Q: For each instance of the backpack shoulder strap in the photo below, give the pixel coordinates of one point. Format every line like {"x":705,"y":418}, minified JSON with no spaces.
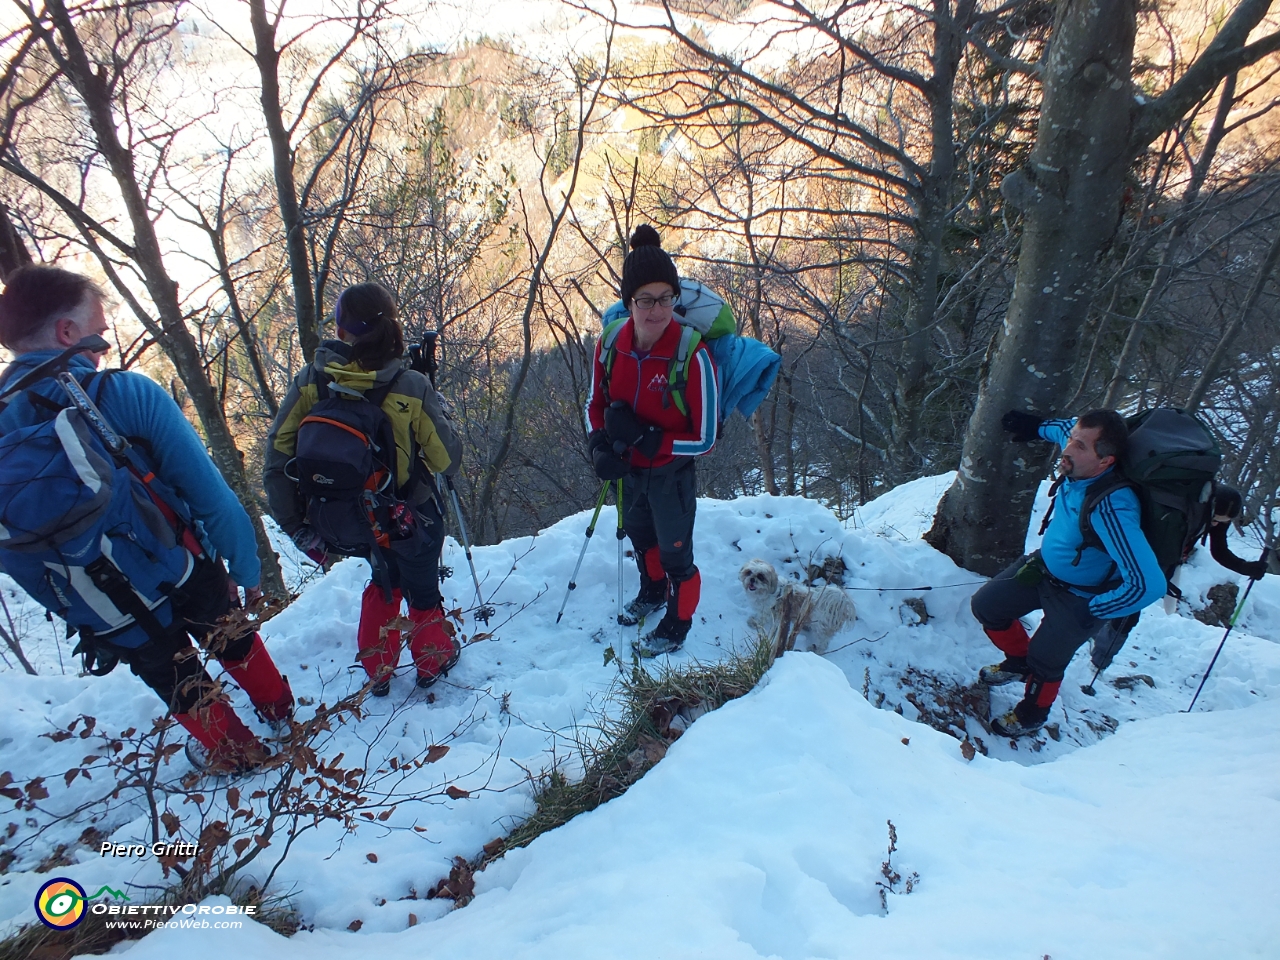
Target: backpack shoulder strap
{"x":609,"y":342}
{"x":378,"y":395}
{"x":1097,"y":493}
{"x":609,"y":351}
{"x":678,"y":371}
{"x":1054,"y":487}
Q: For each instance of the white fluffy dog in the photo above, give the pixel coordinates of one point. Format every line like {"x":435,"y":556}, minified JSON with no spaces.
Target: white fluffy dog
{"x":816,"y":612}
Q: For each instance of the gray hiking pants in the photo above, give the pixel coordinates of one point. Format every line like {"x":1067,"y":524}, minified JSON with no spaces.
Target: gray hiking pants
{"x":1067,"y":622}
{"x":658,"y":507}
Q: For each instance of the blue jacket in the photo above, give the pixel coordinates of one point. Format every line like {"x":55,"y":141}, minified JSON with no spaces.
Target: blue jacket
{"x":1117,"y":520}
{"x":137,"y":406}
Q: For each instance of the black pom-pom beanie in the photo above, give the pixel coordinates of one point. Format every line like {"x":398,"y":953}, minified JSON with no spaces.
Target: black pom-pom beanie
{"x":647,"y":263}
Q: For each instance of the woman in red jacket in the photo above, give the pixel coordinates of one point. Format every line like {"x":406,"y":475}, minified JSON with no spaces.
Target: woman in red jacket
{"x":649,"y":414}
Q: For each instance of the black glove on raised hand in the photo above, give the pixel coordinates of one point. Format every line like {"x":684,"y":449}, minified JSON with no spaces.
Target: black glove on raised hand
{"x":622,"y":423}
{"x":1254,"y":569}
{"x":608,"y":465}
{"x":625,"y":428}
{"x":1024,"y":427}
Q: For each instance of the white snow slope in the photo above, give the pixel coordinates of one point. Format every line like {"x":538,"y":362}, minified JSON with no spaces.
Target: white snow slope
{"x":763,"y":831}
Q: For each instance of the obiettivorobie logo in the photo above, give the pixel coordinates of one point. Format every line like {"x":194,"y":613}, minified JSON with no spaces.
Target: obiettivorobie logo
{"x":61,"y":903}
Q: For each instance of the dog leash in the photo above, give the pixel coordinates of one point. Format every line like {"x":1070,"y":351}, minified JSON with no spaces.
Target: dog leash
{"x":940,"y":586}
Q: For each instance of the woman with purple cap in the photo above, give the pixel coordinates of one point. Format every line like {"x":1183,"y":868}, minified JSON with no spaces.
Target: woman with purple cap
{"x":351,"y":407}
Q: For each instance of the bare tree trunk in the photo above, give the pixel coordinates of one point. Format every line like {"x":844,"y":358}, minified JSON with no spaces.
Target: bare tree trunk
{"x":1115,"y":389}
{"x":267,"y":58}
{"x":486,"y":506}
{"x":763,"y":437}
{"x":1210,"y":371}
{"x":1070,"y":192}
{"x":1090,"y":129}
{"x":13,"y":252}
{"x":949,"y":38}
{"x":179,"y":344}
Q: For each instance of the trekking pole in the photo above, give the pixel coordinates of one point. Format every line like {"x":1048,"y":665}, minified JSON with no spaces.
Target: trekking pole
{"x":1088,"y":687}
{"x":591,"y":528}
{"x":483,"y":610}
{"x":621,"y":536}
{"x":1230,"y":626}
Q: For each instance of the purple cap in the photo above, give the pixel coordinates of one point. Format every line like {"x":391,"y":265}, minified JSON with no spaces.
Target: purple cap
{"x":348,"y":321}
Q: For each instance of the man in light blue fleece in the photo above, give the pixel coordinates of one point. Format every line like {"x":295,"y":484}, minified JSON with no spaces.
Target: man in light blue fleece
{"x":45,"y":310}
{"x":1079,"y":582}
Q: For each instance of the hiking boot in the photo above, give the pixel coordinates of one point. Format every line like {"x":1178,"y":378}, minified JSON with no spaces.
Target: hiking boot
{"x":434,"y":648}
{"x":229,"y":758}
{"x":652,"y":595}
{"x":667,"y":637}
{"x":220,"y":743}
{"x":1006,"y":671}
{"x":1025,"y":718}
{"x":381,"y":688}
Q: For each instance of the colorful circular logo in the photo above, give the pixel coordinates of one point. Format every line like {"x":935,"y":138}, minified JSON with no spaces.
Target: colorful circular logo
{"x":60,"y":903}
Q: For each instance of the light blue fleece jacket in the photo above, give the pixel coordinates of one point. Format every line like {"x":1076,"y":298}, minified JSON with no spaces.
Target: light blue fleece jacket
{"x":1117,"y":520}
{"x":137,"y":406}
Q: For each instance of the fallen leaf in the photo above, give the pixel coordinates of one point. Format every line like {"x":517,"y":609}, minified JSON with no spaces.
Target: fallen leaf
{"x":355,"y":925}
{"x":413,"y":919}
{"x":968,"y":750}
{"x":906,"y":740}
{"x":436,"y":752}
{"x":457,"y":793}
{"x":371,"y":857}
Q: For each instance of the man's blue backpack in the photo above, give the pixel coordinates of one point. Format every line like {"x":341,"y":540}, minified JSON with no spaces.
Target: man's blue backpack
{"x":81,"y":527}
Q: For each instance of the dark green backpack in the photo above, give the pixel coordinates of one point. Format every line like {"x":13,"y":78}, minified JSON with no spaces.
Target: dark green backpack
{"x":1170,"y":464}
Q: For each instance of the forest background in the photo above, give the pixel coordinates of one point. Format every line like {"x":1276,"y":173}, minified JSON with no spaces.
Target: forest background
{"x":896,"y":197}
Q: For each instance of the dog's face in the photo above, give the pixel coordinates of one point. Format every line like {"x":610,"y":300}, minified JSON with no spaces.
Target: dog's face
{"x":759,"y":579}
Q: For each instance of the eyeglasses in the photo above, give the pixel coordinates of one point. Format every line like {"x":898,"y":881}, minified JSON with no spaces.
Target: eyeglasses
{"x":648,"y":303}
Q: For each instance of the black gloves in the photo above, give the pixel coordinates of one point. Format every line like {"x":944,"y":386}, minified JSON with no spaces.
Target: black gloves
{"x":1024,"y":427}
{"x":1253,"y":569}
{"x":622,"y":423}
{"x":624,"y":427}
{"x":1227,"y":502}
{"x":598,"y":439}
{"x":607,"y":464}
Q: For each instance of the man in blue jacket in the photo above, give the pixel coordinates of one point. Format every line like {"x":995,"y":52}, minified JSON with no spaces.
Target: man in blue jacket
{"x":43,"y":311}
{"x":1077,"y":584}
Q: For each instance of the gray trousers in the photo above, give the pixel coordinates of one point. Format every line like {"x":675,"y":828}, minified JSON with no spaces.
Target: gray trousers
{"x":1067,"y":622}
{"x":658,"y":507}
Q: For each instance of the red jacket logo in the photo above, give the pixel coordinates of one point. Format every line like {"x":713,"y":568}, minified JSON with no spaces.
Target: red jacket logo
{"x":659,"y":383}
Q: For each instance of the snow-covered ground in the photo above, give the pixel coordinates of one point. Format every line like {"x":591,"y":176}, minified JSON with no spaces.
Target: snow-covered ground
{"x":763,"y":831}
